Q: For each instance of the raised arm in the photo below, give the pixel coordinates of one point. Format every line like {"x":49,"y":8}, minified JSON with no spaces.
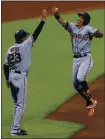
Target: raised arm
{"x":55,"y":11}
{"x":40,"y":26}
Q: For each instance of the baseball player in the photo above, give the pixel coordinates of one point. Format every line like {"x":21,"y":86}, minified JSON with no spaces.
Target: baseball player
{"x":81,"y":37}
{"x":16,"y":67}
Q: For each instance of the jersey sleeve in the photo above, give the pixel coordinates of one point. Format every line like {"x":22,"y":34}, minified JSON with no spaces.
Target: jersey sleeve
{"x":91,"y":29}
{"x":29,"y":42}
{"x":70,"y":27}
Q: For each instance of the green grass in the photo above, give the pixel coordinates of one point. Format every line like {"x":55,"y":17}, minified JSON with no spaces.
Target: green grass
{"x":50,"y":76}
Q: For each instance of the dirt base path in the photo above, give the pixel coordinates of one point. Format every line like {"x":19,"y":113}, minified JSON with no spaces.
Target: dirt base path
{"x":19,"y":10}
{"x":75,"y":110}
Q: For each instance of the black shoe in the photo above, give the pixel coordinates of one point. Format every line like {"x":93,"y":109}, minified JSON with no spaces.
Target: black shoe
{"x":19,"y":134}
{"x":21,"y":130}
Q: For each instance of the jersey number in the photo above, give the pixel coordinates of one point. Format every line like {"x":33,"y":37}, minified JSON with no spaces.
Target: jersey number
{"x":14,"y":58}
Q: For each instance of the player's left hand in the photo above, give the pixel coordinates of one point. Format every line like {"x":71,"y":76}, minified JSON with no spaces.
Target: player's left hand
{"x":98,"y":34}
{"x":7,"y":83}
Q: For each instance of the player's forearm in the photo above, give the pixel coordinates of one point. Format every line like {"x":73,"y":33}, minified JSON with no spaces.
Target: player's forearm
{"x":6,"y":71}
{"x":38,"y":30}
{"x":60,"y":20}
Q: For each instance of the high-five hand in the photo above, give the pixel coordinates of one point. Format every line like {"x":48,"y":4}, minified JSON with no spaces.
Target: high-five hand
{"x":53,"y":9}
{"x":44,"y":15}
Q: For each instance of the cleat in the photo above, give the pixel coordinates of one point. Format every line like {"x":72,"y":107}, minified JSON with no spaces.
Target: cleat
{"x":21,"y":130}
{"x":91,"y":108}
{"x":21,"y":133}
{"x":91,"y":112}
{"x":93,"y":105}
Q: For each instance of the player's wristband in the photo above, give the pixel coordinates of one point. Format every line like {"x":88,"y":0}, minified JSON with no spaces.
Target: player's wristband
{"x":57,"y":15}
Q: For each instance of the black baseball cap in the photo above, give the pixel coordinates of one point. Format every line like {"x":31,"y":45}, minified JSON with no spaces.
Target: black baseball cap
{"x":84,"y":15}
{"x":19,"y":35}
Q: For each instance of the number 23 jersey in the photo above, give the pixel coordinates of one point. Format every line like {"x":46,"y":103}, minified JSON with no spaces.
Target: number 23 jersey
{"x":18,"y":56}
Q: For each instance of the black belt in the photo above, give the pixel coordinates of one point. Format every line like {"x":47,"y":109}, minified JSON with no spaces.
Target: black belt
{"x":79,"y":55}
{"x":18,"y":72}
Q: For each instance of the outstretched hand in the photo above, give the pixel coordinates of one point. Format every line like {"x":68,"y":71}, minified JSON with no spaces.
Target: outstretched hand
{"x":44,"y":15}
{"x":98,"y":34}
{"x":53,"y":9}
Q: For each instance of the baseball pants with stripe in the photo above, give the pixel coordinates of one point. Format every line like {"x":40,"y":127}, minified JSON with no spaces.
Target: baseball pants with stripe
{"x":81,"y":67}
{"x":18,"y":85}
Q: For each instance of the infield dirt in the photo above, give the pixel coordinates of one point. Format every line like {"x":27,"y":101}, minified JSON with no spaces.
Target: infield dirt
{"x":74,"y":109}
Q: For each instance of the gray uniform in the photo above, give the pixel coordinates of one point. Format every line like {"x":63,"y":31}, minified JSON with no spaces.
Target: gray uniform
{"x":18,"y":59}
{"x":81,"y":45}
